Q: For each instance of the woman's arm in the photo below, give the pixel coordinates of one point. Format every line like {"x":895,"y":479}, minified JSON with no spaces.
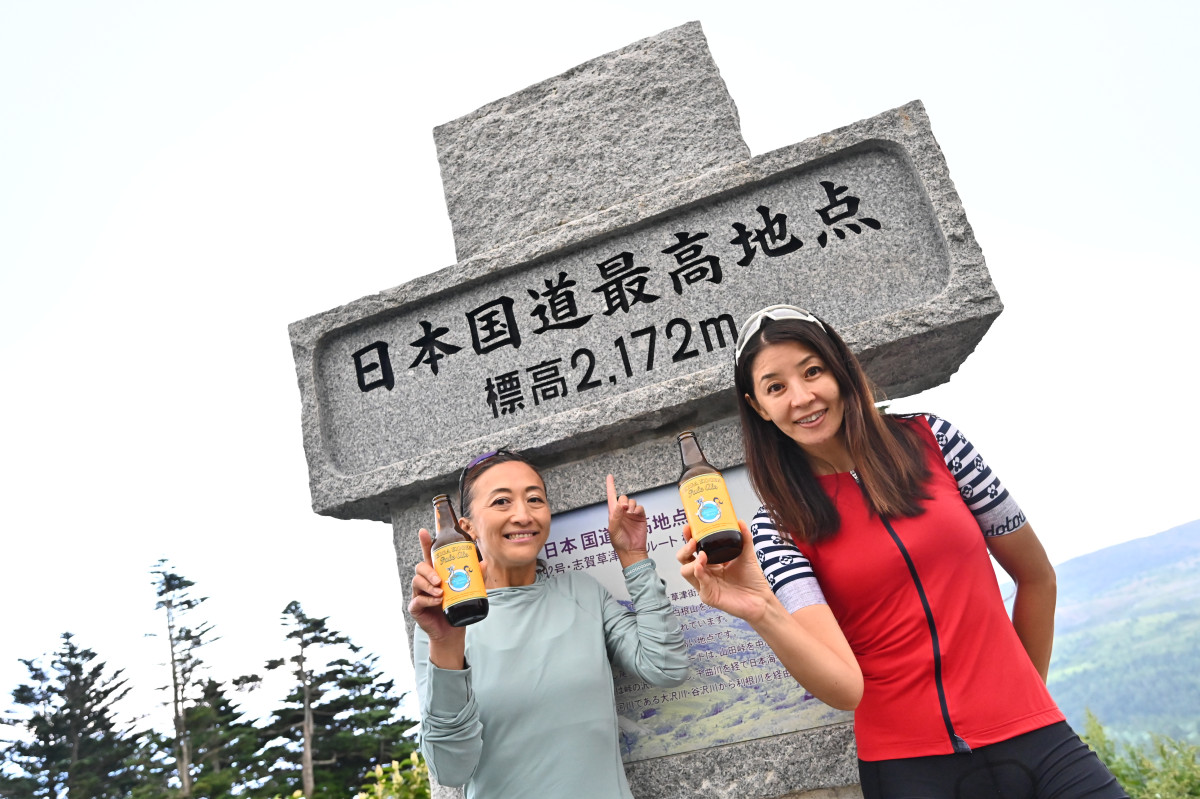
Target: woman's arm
{"x":1021,"y":555}
{"x":627,"y":526}
{"x":648,"y":641}
{"x":1019,"y":552}
{"x":808,"y":642}
{"x":451,"y":733}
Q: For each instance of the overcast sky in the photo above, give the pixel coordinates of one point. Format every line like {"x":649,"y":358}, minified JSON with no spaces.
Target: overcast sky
{"x":179,"y":182}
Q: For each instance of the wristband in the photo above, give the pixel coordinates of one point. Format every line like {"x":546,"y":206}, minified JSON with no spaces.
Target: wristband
{"x":637,"y":568}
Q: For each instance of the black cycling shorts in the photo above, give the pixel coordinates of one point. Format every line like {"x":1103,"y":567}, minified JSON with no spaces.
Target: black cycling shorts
{"x":1050,"y":763}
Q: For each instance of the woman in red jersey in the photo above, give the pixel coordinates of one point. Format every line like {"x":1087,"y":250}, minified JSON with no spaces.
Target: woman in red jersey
{"x":873,"y":583}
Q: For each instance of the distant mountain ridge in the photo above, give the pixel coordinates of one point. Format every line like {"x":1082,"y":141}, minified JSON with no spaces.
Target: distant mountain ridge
{"x":1127,"y":637}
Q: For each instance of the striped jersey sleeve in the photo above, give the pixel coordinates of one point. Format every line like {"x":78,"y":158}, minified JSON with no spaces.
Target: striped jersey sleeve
{"x":995,"y":510}
{"x":788,"y":572}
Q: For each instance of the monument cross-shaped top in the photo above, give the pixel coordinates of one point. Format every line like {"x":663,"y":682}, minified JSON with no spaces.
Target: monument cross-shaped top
{"x":614,"y":232}
{"x":626,"y":124}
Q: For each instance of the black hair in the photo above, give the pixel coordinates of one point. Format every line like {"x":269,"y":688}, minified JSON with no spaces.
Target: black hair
{"x":888,"y":455}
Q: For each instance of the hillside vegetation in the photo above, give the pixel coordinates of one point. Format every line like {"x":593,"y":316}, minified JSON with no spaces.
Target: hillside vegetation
{"x":1127,"y":637}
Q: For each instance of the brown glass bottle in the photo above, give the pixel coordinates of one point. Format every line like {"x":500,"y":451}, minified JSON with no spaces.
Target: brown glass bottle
{"x":707,"y":504}
{"x":456,"y":559}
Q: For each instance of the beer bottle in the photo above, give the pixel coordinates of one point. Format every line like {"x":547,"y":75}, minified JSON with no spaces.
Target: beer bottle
{"x":707,"y":504}
{"x":456,"y":559}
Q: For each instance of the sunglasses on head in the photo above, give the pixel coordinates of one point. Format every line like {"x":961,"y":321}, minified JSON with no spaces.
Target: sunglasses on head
{"x":754,"y":323}
{"x":462,"y":476}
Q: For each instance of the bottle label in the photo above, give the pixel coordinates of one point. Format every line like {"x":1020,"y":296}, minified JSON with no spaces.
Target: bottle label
{"x":707,"y":505}
{"x":458,"y":566}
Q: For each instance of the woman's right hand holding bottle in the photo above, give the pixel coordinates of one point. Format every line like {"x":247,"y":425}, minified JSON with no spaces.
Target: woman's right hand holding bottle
{"x":446,"y":642}
{"x":737,"y":587}
{"x":809,"y":643}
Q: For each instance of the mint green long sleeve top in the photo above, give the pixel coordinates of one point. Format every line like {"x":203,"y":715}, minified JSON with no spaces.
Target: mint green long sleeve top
{"x":534,"y":712}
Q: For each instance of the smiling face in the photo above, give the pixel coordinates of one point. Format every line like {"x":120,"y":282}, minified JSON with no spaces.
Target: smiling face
{"x":510,"y":518}
{"x":793,"y":388}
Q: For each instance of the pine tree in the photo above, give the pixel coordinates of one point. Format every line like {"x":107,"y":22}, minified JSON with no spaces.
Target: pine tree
{"x":224,"y":744}
{"x":183,"y":642}
{"x":151,"y":766}
{"x":71,"y":744}
{"x":358,"y":727}
{"x":292,"y":730}
{"x":354,"y":722}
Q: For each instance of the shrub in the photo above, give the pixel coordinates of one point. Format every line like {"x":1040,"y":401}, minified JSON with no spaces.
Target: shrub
{"x":410,"y":781}
{"x":1166,"y":769}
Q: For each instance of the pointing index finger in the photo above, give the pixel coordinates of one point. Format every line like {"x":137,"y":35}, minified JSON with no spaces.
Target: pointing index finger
{"x":426,"y":544}
{"x":611,"y":485}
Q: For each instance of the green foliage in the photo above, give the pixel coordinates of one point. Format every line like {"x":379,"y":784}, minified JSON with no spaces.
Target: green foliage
{"x":225,"y":745}
{"x":397,"y":781}
{"x":70,"y":742}
{"x":1138,"y":674}
{"x":1127,"y":634}
{"x":1166,"y":769}
{"x":365,"y":727}
{"x":407,"y":780}
{"x":339,"y":719}
{"x":152,"y":766}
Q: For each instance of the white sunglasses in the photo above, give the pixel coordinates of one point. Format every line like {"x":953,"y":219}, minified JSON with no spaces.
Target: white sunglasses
{"x":773,"y":312}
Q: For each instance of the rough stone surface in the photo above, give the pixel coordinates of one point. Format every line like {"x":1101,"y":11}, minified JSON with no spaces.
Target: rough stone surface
{"x":870,"y":274}
{"x":621,"y":125}
{"x":843,"y":792}
{"x":912,"y":298}
{"x":838,"y":792}
{"x":765,"y":768}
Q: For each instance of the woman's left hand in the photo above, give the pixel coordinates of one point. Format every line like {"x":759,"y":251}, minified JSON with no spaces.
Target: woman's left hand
{"x":737,"y":586}
{"x":626,"y":526}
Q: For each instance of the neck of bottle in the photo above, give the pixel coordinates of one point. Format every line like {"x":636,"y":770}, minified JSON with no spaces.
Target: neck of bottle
{"x":445,"y":522}
{"x":689,"y":451}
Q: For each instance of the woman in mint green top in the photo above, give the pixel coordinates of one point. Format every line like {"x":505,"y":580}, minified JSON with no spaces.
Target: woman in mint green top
{"x":521,"y":704}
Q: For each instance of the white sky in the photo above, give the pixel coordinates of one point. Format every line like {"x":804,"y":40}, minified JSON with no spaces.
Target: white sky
{"x":178,"y":182}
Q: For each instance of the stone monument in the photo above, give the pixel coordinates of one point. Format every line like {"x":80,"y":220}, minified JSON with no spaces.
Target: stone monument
{"x":613,"y":231}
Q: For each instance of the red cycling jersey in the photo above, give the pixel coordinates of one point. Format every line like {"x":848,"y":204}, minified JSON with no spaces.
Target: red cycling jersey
{"x":919,"y":603}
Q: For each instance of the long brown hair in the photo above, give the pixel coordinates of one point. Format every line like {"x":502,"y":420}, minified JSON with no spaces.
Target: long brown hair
{"x":888,"y":455}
